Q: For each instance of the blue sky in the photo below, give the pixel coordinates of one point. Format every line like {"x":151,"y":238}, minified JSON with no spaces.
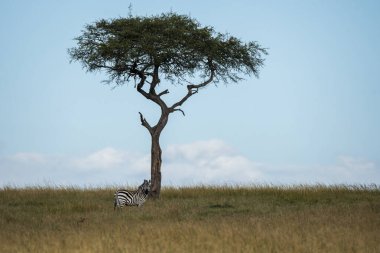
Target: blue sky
{"x":312,"y":116}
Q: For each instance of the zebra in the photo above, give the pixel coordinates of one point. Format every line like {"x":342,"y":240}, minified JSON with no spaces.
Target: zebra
{"x":132,"y":198}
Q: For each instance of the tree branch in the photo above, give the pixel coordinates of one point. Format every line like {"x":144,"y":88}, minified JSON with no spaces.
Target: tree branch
{"x":140,"y":87}
{"x":192,"y":89}
{"x":145,"y":123}
{"x":163,"y":93}
{"x":151,"y":95}
{"x":180,"y":110}
{"x":155,"y":80}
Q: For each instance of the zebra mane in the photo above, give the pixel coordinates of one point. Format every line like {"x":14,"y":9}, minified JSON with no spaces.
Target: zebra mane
{"x":145,"y":186}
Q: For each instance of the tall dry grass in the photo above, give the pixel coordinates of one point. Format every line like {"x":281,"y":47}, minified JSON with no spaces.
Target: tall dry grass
{"x":197,"y":219}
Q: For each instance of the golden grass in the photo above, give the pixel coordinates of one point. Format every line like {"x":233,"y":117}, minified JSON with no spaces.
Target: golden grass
{"x":198,"y":219}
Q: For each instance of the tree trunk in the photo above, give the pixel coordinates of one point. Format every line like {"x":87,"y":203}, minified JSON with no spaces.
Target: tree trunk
{"x":156,"y":162}
{"x":156,"y":153}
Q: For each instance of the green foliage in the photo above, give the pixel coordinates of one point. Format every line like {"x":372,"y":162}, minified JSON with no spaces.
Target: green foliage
{"x":177,"y":44}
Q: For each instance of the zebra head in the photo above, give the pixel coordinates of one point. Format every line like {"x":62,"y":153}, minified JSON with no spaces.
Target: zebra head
{"x":145,"y":187}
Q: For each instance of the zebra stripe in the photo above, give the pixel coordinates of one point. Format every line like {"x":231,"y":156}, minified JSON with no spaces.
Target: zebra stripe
{"x":132,"y":198}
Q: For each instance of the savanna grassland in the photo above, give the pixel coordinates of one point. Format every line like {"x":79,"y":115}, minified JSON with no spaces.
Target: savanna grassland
{"x":198,"y":219}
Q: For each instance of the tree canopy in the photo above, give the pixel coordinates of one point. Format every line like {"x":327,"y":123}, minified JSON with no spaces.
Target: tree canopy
{"x":177,"y":45}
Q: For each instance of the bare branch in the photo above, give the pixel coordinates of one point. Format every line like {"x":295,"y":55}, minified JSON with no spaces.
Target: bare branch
{"x":163,"y":93}
{"x":155,"y":80}
{"x":192,"y":89}
{"x":201,"y":85}
{"x":140,"y":87}
{"x":180,"y":110}
{"x":151,"y":95}
{"x":145,"y":123}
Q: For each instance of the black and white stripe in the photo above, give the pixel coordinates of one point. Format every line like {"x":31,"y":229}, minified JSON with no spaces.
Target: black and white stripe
{"x":132,"y":198}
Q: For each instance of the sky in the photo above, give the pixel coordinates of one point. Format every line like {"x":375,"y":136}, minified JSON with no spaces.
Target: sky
{"x":313,"y":115}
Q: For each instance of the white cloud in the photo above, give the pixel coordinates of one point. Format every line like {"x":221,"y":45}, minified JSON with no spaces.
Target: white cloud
{"x":108,"y":166}
{"x":346,"y":170}
{"x":198,"y":150}
{"x":353,"y":170}
{"x":356,"y":165}
{"x":207,"y":162}
{"x":107,"y":158}
{"x":28,"y":158}
{"x":200,"y":162}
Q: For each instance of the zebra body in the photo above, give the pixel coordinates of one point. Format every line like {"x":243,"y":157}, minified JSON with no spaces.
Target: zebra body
{"x":132,"y":198}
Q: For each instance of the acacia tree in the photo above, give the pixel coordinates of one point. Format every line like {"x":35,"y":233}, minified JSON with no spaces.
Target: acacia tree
{"x":173,"y":47}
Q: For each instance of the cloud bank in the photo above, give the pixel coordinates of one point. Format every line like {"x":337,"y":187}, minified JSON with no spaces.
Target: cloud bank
{"x":211,"y":162}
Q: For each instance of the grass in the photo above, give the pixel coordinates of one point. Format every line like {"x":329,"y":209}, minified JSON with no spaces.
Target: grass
{"x":198,"y":219}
